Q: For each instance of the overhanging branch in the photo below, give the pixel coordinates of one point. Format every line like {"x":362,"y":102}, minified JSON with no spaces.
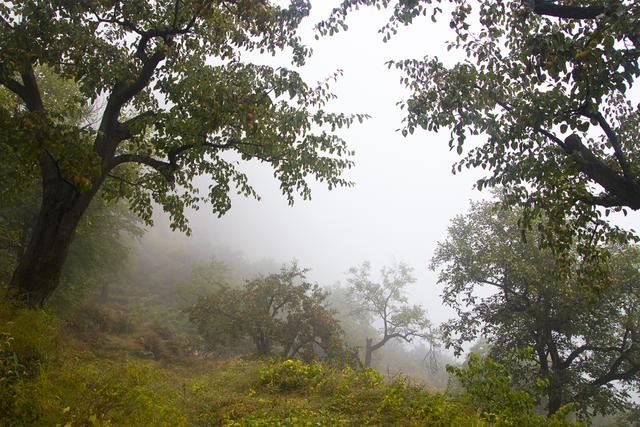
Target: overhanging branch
{"x":622,"y":190}
{"x":167,"y":170}
{"x":619,"y":188}
{"x":550,"y":8}
{"x":612,"y":136}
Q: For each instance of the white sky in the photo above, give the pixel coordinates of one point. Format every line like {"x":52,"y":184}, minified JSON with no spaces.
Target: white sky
{"x":404,"y":194}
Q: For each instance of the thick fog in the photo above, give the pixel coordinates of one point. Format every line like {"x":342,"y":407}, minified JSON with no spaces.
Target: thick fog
{"x":404,"y":195}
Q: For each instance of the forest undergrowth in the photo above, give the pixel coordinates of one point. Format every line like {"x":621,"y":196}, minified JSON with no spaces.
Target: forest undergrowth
{"x":99,"y":367}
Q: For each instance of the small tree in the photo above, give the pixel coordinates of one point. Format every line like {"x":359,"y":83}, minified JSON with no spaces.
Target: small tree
{"x":583,"y":326}
{"x":386,"y":302}
{"x":489,"y":390}
{"x":280,"y":310}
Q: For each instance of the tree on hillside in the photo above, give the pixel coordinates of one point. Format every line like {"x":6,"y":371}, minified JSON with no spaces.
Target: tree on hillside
{"x":387,"y":303}
{"x":178,"y":102}
{"x":279,"y":311}
{"x":585,"y":335}
{"x":547,"y":88}
{"x":103,"y":232}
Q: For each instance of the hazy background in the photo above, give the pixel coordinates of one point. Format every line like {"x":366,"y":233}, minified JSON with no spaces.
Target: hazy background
{"x":404,"y":194}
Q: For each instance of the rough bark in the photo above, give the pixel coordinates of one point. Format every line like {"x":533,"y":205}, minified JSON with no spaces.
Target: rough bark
{"x":367,"y":353}
{"x":554,"y":395}
{"x":38,"y":271}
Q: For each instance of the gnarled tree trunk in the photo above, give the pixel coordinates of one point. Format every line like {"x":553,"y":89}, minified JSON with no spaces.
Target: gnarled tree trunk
{"x":38,"y":271}
{"x":367,"y":353}
{"x":555,"y":399}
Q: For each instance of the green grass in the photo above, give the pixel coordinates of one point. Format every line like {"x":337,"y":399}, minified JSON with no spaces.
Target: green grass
{"x":49,"y":377}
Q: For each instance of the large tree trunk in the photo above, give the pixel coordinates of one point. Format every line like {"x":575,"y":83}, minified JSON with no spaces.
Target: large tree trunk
{"x":367,"y":353}
{"x":38,"y":271}
{"x":554,"y":394}
{"x":263,"y":345}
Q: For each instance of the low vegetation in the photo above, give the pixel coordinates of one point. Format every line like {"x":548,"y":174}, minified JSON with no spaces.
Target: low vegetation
{"x":51,"y":376}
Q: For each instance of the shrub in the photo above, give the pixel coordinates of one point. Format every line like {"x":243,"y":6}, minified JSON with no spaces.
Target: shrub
{"x":354,"y":392}
{"x":290,"y":375}
{"x":90,"y":320}
{"x":32,"y":334}
{"x":489,"y":390}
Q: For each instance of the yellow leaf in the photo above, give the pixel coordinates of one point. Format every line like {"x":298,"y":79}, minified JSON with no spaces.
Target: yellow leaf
{"x":65,"y":410}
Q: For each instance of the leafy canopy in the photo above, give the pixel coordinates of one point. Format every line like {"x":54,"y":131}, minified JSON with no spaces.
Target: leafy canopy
{"x":582,"y":327}
{"x":174,"y":95}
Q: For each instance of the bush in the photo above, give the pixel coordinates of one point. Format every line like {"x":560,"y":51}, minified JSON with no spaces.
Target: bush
{"x":290,"y":375}
{"x":89,"y":321}
{"x":489,"y":390}
{"x":33,"y":335}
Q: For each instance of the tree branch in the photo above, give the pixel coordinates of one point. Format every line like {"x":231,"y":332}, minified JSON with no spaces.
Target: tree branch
{"x":125,"y":181}
{"x":176,"y":152}
{"x":615,"y":143}
{"x":621,"y":189}
{"x":120,"y":95}
{"x":550,"y":8}
{"x":167,"y":170}
{"x":124,"y":129}
{"x":625,"y":191}
{"x":14,"y":86}
{"x":28,"y":90}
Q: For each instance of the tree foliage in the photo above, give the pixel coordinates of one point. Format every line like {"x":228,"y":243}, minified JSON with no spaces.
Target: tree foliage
{"x":488,"y":387}
{"x":280,"y":311}
{"x":178,"y":101}
{"x":386,"y":302}
{"x":543,"y":100}
{"x":583,"y":328}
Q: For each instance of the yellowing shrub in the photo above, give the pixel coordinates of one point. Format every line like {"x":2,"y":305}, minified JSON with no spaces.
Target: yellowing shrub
{"x":290,"y":375}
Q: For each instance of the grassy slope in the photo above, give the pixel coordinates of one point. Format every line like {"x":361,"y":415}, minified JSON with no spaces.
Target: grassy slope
{"x":49,"y":376}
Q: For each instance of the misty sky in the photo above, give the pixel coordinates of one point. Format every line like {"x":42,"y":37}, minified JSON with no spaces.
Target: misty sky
{"x":404,"y":194}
